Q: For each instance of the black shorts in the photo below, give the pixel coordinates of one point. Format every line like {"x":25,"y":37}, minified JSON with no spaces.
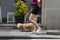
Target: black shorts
{"x":34,"y":9}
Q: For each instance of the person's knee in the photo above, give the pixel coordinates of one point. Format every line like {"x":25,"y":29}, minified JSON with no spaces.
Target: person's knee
{"x":29,"y":19}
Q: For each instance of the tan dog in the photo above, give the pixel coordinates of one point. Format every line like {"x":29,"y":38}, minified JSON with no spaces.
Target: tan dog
{"x":28,"y":26}
{"x":25,"y":26}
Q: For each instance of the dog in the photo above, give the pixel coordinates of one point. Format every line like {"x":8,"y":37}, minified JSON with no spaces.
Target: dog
{"x":26,"y":26}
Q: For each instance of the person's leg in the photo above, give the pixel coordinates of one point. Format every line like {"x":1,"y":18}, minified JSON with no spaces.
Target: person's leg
{"x":33,"y":19}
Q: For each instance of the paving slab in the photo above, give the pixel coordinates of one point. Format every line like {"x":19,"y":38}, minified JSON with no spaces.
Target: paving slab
{"x":16,"y":34}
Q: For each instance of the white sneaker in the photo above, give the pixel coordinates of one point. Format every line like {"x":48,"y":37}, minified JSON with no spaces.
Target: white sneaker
{"x":39,"y":29}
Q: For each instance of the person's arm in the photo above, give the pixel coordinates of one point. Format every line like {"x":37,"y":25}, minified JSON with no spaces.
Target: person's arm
{"x":39,"y":3}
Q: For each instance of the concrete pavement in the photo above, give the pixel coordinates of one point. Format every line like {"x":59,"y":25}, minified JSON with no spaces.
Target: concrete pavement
{"x":9,"y":33}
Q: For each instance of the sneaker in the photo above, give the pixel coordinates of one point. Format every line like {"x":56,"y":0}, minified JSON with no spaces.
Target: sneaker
{"x":39,"y":29}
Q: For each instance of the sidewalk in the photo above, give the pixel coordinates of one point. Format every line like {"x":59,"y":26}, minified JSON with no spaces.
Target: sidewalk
{"x":9,"y":33}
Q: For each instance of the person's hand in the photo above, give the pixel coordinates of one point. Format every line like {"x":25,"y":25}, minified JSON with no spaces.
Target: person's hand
{"x":30,"y":10}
